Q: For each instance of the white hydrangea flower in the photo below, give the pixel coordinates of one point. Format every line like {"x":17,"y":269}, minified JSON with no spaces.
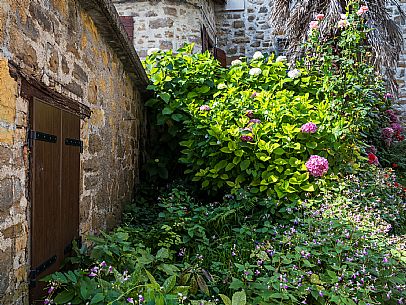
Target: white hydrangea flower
{"x":258,"y":55}
{"x":152,"y":51}
{"x":221,"y":86}
{"x":295,"y":73}
{"x":255,"y":71}
{"x":236,"y":62}
{"x":281,"y":59}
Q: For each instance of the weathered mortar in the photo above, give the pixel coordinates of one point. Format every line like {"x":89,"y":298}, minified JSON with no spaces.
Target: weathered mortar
{"x":168,"y":24}
{"x":63,"y":45}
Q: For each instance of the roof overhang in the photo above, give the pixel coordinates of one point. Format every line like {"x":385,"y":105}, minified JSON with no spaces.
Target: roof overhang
{"x":107,"y":21}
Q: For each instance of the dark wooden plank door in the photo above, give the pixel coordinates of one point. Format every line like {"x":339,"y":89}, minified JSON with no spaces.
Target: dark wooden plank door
{"x":70,"y":163}
{"x":55,"y":170}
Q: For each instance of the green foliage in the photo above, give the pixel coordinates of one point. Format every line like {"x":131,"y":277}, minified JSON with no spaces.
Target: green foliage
{"x":241,"y":127}
{"x":279,"y":236}
{"x":346,"y":243}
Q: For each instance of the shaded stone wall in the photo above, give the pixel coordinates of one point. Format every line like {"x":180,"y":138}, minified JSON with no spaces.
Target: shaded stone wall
{"x":400,"y":103}
{"x":168,"y":24}
{"x":58,"y":43}
{"x":243,"y":32}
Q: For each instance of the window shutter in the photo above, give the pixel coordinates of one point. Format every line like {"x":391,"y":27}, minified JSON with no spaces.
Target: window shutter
{"x":221,"y":56}
{"x":128,"y":23}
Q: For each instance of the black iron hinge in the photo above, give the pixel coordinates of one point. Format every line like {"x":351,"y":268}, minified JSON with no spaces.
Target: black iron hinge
{"x":41,"y":268}
{"x":74,"y":142}
{"x":41,"y":136}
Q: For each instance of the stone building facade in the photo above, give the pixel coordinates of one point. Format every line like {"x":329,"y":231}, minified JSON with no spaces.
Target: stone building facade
{"x":75,"y":51}
{"x":239,"y":27}
{"x":168,"y":24}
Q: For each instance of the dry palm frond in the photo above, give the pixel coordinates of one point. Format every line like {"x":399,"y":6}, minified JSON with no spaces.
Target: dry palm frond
{"x":293,"y":17}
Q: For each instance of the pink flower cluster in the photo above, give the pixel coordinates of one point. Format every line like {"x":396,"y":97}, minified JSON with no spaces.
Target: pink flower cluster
{"x":255,"y":121}
{"x":247,"y":138}
{"x":317,"y":166}
{"x":371,"y":150}
{"x":387,"y":133}
{"x":394,"y":131}
{"x":362,"y":10}
{"x":309,"y":128}
{"x":249,"y":114}
{"x":343,"y":21}
{"x":205,"y":108}
{"x":315,"y":23}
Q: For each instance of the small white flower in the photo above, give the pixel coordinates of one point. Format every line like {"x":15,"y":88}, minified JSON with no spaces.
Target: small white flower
{"x":295,"y":73}
{"x":221,"y":86}
{"x":343,"y":16}
{"x":236,"y":62}
{"x":258,"y":55}
{"x":152,"y":51}
{"x":281,"y":59}
{"x":255,"y":71}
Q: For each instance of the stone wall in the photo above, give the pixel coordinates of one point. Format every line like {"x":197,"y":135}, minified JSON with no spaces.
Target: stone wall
{"x":243,"y":32}
{"x":60,"y":44}
{"x":168,"y":24}
{"x":400,"y":103}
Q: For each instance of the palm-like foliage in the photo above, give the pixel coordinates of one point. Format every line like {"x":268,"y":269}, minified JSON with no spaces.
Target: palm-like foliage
{"x":292,"y":17}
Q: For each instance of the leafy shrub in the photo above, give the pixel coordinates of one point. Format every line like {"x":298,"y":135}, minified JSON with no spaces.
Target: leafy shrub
{"x":247,"y":127}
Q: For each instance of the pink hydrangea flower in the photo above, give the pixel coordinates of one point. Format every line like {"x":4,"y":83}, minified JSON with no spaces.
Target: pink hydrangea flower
{"x":246,"y":138}
{"x":309,"y":128}
{"x":371,"y":150}
{"x":397,"y":128}
{"x":387,"y":133}
{"x":314,"y":25}
{"x":343,"y":23}
{"x":319,"y":17}
{"x":255,"y":121}
{"x":317,"y":166}
{"x":205,"y":108}
{"x":249,"y":114}
{"x":393,"y":118}
{"x":362,"y":10}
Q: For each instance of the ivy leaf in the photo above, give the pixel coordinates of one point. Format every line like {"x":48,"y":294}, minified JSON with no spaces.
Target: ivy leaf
{"x":97,"y":298}
{"x":165,"y":96}
{"x":64,"y":297}
{"x":244,"y":164}
{"x":226,"y":299}
{"x":167,"y":110}
{"x":239,"y":298}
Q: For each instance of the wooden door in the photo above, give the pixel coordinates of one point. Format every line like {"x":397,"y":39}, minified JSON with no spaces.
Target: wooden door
{"x":55,"y":161}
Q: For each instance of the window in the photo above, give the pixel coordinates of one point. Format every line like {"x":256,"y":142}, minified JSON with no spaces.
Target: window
{"x":235,"y":5}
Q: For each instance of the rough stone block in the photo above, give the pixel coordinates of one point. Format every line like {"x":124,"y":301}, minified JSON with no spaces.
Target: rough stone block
{"x":95,"y":143}
{"x":6,"y":194}
{"x":6,"y":136}
{"x":8,"y":93}
{"x":238,"y":24}
{"x":171,"y":11}
{"x":161,"y":23}
{"x":5,"y":266}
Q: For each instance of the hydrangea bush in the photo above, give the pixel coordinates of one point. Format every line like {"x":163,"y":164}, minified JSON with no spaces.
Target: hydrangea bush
{"x":268,"y":126}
